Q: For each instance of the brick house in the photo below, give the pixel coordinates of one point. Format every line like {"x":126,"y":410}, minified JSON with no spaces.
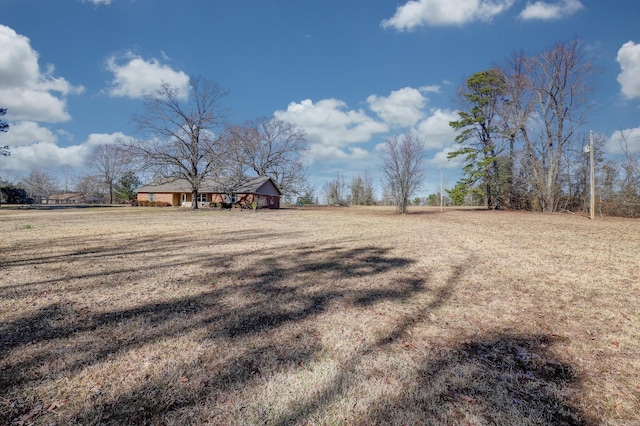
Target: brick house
{"x":71,"y":198}
{"x":261,"y":190}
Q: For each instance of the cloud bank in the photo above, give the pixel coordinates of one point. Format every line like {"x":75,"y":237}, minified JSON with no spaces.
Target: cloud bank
{"x":439,"y":13}
{"x":28,"y":92}
{"x":629,"y":60}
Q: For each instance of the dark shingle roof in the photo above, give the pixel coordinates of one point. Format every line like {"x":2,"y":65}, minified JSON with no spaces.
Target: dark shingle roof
{"x":248,"y":185}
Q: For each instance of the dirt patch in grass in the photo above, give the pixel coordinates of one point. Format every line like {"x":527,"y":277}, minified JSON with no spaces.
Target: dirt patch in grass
{"x":318,"y":316}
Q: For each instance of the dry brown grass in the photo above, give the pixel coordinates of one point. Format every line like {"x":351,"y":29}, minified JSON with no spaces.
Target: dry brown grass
{"x":326,"y":316}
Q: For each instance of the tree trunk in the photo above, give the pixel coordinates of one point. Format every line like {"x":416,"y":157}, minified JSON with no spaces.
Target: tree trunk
{"x":194,"y":199}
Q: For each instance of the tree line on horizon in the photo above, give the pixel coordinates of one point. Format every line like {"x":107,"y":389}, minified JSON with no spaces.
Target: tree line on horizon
{"x":519,"y":133}
{"x":521,"y":137}
{"x":179,"y":139}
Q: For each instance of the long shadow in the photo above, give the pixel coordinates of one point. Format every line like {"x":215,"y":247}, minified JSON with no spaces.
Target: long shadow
{"x":337,"y":386}
{"x":147,"y":404}
{"x":93,"y":248}
{"x":67,"y":340}
{"x":162,"y":249}
{"x":492,"y":379}
{"x":501,"y":379}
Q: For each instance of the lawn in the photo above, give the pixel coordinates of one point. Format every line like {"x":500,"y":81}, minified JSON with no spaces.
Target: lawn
{"x":325,"y":316}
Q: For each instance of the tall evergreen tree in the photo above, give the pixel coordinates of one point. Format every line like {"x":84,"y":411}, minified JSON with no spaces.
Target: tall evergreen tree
{"x":480,"y":132}
{"x":4,"y":126}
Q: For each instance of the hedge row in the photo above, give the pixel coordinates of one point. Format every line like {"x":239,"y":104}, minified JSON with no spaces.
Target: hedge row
{"x":145,"y":203}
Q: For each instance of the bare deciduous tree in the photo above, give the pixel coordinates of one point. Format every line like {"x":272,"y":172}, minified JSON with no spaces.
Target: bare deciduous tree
{"x":110,"y":163}
{"x":39,"y":184}
{"x":92,"y":189}
{"x":334,"y":191}
{"x":630,"y":184}
{"x":184,"y":137}
{"x":403,"y":168}
{"x":270,"y":147}
{"x":516,"y":112}
{"x":560,"y":84}
{"x":361,"y":190}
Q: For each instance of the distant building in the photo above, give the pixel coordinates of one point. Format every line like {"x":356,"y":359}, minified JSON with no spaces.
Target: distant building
{"x":261,"y":190}
{"x":68,"y":198}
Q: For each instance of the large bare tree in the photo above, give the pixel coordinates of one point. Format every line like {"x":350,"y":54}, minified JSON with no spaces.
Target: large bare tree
{"x":403,"y":168}
{"x":560,"y":82}
{"x":183,"y":138}
{"x":110,"y":163}
{"x":271,"y":147}
{"x":630,"y":184}
{"x":516,"y":112}
{"x":39,"y":184}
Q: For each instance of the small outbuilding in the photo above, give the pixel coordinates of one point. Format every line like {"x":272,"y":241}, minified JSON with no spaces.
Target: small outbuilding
{"x":244,"y":192}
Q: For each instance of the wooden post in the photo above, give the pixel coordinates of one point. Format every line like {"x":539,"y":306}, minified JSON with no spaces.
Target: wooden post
{"x":441,"y":194}
{"x":592,"y":178}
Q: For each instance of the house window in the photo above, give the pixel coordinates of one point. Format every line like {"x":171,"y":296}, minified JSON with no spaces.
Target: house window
{"x":202,"y":199}
{"x":230,"y":198}
{"x":152,"y":196}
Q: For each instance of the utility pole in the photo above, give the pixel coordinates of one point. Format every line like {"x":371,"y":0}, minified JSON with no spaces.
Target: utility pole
{"x":592,"y":178}
{"x":441,"y":194}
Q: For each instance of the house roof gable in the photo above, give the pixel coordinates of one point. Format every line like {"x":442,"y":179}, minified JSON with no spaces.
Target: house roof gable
{"x":257,"y":185}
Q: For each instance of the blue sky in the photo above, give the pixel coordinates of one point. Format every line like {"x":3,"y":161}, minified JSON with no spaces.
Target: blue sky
{"x":350,"y":72}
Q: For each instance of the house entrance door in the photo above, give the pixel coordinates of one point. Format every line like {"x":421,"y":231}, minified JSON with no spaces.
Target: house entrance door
{"x":184,"y":199}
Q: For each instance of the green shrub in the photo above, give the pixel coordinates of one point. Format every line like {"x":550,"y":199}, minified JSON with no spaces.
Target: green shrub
{"x":147,"y":203}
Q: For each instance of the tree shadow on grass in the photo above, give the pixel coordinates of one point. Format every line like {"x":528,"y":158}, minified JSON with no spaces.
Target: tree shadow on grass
{"x":501,"y":379}
{"x":176,"y":396}
{"x":495,"y":379}
{"x":280,"y":293}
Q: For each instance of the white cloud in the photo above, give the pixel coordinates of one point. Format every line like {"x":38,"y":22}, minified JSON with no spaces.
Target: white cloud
{"x":98,"y":2}
{"x":27,"y":92}
{"x":28,"y":104}
{"x":430,"y":89}
{"x":320,"y":152}
{"x":328,"y":122}
{"x":435,"y":129}
{"x":136,"y":78}
{"x":417,"y":13}
{"x":96,"y":139}
{"x":358,"y":153}
{"x":629,"y":60}
{"x":32,"y":146}
{"x":27,"y":133}
{"x":330,"y":127}
{"x":18,"y":62}
{"x":440,"y":160}
{"x":45,"y":155}
{"x":402,"y":107}
{"x":549,"y":11}
{"x":629,"y":137}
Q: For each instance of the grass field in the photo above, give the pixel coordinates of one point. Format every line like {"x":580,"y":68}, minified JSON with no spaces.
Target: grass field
{"x":318,"y":316}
